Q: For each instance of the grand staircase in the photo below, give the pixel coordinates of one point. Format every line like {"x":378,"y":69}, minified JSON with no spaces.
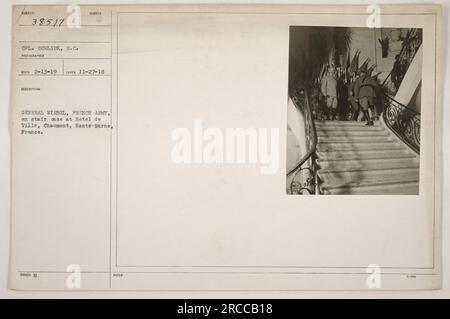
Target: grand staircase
{"x":356,"y":159}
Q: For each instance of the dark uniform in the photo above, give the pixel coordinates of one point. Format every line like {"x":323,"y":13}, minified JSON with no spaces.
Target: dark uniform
{"x":352,"y":100}
{"x":365,"y":94}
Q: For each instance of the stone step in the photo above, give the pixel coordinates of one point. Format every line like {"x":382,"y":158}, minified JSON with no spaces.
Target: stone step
{"x":373,"y":180}
{"x":335,"y":129}
{"x":367,"y":188}
{"x":336,"y":178}
{"x":351,"y":133}
{"x":350,"y":139}
{"x":389,"y":145}
{"x":344,"y":124}
{"x":368,"y":164}
{"x":353,"y":154}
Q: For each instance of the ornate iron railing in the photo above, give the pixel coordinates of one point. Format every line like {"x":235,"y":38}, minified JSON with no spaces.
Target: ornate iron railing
{"x":303,"y":177}
{"x":403,"y":121}
{"x":411,"y":45}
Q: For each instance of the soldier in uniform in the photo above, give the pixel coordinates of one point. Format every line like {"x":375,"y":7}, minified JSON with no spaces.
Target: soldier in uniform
{"x":329,"y":91}
{"x":352,"y":99}
{"x":365,"y":93}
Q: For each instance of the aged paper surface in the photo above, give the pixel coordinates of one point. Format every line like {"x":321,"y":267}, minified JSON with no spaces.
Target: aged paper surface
{"x":129,"y":122}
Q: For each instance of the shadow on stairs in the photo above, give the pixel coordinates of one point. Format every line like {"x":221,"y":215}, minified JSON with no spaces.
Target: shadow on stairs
{"x":358,"y":159}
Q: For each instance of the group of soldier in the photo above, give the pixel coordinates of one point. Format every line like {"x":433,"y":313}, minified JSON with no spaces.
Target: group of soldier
{"x":340,"y":95}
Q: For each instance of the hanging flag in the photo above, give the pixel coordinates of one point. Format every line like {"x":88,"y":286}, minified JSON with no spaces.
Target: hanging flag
{"x":323,"y":71}
{"x":370,"y":70}
{"x":375,"y":77}
{"x":364,"y":65}
{"x":346,"y":69}
{"x":355,"y":63}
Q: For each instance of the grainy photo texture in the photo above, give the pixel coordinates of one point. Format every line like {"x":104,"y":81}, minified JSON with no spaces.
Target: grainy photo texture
{"x":353,"y":120}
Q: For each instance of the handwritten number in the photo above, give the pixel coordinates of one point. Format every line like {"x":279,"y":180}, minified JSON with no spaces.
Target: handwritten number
{"x":47,"y":22}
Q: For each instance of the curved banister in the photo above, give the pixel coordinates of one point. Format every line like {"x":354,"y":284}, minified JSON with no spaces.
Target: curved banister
{"x":402,"y":53}
{"x":403,"y":105}
{"x":403,"y":121}
{"x":300,"y":96}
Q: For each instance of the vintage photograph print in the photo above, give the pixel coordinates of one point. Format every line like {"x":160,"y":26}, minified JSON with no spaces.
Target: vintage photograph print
{"x":353,"y":119}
